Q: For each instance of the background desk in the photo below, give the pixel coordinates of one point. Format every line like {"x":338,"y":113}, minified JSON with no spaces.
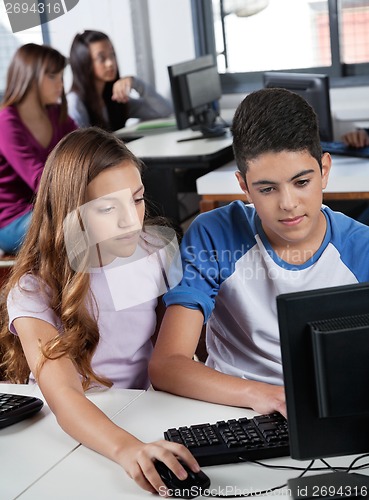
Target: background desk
{"x":84,"y":475}
{"x":173,"y":167}
{"x":348,"y":180}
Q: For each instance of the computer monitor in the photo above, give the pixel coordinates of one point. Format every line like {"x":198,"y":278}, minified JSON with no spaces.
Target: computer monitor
{"x":314,"y":88}
{"x":324,"y":337}
{"x":196,"y":89}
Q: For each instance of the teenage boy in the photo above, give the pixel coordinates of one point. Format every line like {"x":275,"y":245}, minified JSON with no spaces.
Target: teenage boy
{"x":238,"y":258}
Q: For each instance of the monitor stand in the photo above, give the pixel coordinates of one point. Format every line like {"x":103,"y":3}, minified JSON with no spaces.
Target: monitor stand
{"x":329,"y":486}
{"x":207,"y":133}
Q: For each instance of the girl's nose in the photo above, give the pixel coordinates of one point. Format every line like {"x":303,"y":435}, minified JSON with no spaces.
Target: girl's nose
{"x":128,"y":216}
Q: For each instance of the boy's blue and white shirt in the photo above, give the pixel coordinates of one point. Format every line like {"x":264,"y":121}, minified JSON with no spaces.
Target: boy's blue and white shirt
{"x":233,"y":275}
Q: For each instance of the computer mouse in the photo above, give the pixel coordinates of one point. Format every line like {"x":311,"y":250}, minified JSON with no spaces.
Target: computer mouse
{"x":191,"y":487}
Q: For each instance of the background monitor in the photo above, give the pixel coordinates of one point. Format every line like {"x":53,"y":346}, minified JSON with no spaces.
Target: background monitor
{"x":196,"y":89}
{"x":324,"y":338}
{"x":314,"y":88}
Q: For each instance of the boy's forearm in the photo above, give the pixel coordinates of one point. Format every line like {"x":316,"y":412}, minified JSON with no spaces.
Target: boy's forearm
{"x":185,"y":377}
{"x":192,"y":379}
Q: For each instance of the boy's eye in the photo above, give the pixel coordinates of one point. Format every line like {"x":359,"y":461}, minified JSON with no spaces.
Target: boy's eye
{"x":302,"y":182}
{"x":266,"y":190}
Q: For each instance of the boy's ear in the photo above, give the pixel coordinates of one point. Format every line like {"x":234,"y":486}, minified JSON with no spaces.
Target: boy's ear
{"x":326,"y":168}
{"x":243,"y":186}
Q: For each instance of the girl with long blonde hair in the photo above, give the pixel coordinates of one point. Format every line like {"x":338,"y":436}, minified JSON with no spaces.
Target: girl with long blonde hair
{"x":72,"y":316}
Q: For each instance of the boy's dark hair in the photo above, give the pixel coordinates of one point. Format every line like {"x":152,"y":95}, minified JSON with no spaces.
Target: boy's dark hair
{"x":274,"y":120}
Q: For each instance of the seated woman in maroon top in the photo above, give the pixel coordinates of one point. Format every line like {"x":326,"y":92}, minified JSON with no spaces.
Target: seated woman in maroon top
{"x":33,"y":118}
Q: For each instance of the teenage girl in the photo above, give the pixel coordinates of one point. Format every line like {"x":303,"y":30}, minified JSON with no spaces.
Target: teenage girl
{"x":69,"y":322}
{"x":33,"y":118}
{"x":99,"y":96}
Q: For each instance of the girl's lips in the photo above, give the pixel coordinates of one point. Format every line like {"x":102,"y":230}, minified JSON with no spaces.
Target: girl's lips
{"x":293,"y":221}
{"x":128,"y":236}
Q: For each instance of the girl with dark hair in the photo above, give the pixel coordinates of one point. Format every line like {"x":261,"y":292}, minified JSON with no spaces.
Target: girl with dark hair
{"x":98,"y":95}
{"x":69,"y":318}
{"x":33,"y":118}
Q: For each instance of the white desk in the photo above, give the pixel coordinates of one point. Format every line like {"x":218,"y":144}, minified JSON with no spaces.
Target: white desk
{"x":348,"y":180}
{"x":173,"y":167}
{"x":29,"y":449}
{"x":85,"y":475}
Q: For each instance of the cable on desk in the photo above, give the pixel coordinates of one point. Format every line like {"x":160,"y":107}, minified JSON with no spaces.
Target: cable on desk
{"x":363,"y":466}
{"x":262,"y":492}
{"x":326,"y":465}
{"x":304,"y":470}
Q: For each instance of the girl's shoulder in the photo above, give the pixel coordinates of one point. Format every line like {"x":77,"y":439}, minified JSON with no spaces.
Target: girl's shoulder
{"x":29,"y":284}
{"x":9,"y":113}
{"x":28,"y":293}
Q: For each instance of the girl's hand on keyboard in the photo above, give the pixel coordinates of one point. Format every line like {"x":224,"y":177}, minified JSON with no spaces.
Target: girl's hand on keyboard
{"x":357,"y":138}
{"x":267,"y":398}
{"x":138,"y":459}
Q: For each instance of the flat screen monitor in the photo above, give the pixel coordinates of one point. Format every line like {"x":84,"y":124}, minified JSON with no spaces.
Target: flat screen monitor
{"x":314,"y":88}
{"x":196,"y":89}
{"x":324,"y":338}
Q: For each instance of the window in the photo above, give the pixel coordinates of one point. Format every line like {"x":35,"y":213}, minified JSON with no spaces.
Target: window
{"x":249,"y":37}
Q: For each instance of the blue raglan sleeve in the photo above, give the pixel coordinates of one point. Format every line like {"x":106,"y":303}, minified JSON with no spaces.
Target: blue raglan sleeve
{"x":351,"y":239}
{"x":200,"y":282}
{"x":209,"y":251}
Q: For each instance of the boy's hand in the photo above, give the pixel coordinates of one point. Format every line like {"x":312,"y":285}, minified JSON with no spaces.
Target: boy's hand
{"x":357,"y":139}
{"x":267,"y":398}
{"x":138,"y":459}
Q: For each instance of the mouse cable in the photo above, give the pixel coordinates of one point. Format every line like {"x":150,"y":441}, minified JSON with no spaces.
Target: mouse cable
{"x":326,"y":465}
{"x":351,"y":467}
{"x":261,"y":492}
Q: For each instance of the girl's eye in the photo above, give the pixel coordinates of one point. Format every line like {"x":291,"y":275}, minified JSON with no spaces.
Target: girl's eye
{"x":106,"y":210}
{"x":139,"y":200}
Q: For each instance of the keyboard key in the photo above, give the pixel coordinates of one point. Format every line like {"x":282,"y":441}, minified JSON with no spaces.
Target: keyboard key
{"x":15,"y":407}
{"x":262,"y":437}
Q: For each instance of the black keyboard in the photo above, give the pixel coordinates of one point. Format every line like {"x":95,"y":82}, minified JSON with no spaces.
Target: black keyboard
{"x":14,"y":408}
{"x":257,"y":438}
{"x":339,"y":148}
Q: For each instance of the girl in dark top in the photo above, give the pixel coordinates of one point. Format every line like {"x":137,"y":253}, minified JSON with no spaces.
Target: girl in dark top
{"x":98,"y":95}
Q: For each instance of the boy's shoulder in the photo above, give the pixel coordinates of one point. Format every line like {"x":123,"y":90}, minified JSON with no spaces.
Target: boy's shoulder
{"x":232,"y":226}
{"x":343,"y":225}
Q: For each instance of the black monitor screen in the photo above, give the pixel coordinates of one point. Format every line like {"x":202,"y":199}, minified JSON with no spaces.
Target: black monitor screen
{"x":196,"y":89}
{"x":324,"y":338}
{"x":314,"y":88}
